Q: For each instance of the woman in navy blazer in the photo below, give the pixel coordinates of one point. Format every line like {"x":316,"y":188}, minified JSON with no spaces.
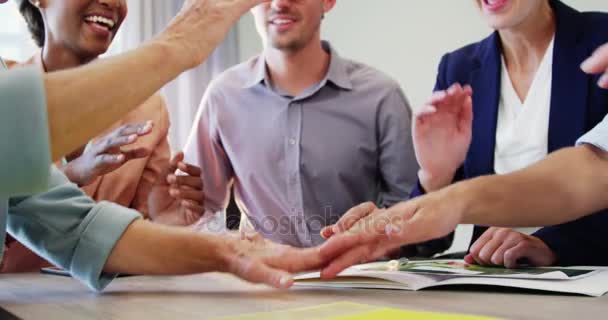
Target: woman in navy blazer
{"x":576,"y":106}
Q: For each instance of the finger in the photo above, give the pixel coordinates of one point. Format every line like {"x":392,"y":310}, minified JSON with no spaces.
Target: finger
{"x":338,"y":244}
{"x":437,"y":97}
{"x":327,"y":232}
{"x":482,"y":240}
{"x":187,"y":194}
{"x":521,"y":250}
{"x":297,"y":260}
{"x":174,"y":161}
{"x":105,"y":160}
{"x":255,"y":271}
{"x":192,"y":206}
{"x":139,"y":129}
{"x":114,"y":142}
{"x":352,"y":216}
{"x":488,"y":250}
{"x":470,"y":259}
{"x":598,"y":62}
{"x":498,"y":258}
{"x":468,"y":90}
{"x":425,"y":111}
{"x":454,"y":89}
{"x":192,"y":216}
{"x":189,"y":169}
{"x":194,"y":182}
{"x":603,"y":82}
{"x":466,"y":115}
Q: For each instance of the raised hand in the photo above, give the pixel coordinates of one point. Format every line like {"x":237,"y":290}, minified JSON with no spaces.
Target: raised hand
{"x":442,"y":135}
{"x":108,"y":153}
{"x":200,"y":26}
{"x":598,"y":64}
{"x":177,"y":199}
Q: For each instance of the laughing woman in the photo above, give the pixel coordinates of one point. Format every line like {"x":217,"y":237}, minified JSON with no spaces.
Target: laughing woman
{"x":130,"y":163}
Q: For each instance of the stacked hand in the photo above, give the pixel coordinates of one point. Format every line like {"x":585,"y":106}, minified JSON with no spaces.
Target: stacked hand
{"x":108,"y":153}
{"x":366,"y":233}
{"x":177,"y":199}
{"x":262,"y":261}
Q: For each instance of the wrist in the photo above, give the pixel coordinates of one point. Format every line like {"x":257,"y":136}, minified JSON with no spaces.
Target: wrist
{"x":433,"y":182}
{"x":72,"y":174}
{"x":464,"y":197}
{"x":216,"y":253}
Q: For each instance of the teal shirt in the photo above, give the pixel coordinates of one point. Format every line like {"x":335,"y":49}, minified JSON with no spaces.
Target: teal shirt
{"x":24,"y":146}
{"x":62,"y":224}
{"x":68,"y":228}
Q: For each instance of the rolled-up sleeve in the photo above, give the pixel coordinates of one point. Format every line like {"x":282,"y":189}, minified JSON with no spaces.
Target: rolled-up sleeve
{"x":24,"y":129}
{"x":597,"y":137}
{"x":69,"y":229}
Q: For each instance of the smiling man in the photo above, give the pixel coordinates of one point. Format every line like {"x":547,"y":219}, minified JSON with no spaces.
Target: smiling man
{"x":303,"y":133}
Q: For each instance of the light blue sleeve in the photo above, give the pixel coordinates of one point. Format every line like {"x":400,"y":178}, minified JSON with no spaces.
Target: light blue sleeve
{"x":24,"y":133}
{"x":69,"y":229}
{"x":597,"y":137}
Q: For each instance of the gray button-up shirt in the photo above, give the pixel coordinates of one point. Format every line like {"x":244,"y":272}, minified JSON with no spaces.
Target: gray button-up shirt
{"x":299,"y":163}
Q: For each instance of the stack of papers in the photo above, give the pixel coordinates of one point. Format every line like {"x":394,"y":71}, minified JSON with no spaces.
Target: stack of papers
{"x":418,"y":275}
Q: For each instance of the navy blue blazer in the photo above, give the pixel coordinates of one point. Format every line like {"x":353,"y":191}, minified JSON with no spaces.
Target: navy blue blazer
{"x":577,"y":105}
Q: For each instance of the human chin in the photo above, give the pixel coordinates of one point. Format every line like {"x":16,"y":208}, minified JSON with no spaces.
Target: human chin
{"x":95,"y":47}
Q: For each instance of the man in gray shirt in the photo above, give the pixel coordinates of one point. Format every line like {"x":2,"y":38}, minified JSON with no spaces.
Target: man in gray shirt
{"x":303,"y":133}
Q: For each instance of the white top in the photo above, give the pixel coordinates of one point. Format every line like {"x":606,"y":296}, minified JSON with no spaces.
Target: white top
{"x":522,"y":131}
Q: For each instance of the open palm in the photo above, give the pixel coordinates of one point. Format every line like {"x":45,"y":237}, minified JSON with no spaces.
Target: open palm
{"x":442,"y":135}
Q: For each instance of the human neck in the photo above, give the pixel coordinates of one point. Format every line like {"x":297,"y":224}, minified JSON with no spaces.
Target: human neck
{"x":58,"y":57}
{"x":295,"y":71}
{"x":525,"y":45}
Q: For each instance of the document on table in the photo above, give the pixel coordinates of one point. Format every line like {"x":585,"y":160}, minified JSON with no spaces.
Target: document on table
{"x":352,"y":311}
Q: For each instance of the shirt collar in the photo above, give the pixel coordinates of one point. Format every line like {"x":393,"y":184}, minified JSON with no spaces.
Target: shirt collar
{"x":337,"y":73}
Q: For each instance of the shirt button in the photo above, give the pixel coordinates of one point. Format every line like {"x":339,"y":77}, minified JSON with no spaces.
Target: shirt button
{"x":292,"y":141}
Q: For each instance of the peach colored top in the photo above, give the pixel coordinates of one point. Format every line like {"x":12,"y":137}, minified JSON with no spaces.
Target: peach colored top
{"x":128,"y":186}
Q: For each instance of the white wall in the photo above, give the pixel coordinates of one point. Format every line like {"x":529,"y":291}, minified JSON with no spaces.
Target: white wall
{"x":404,"y":38}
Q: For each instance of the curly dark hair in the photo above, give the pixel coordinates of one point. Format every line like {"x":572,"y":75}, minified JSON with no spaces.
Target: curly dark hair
{"x":34,"y":20}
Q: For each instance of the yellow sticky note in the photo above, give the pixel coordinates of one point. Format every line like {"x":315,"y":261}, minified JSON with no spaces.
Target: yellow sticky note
{"x":352,"y":311}
{"x":394,"y":314}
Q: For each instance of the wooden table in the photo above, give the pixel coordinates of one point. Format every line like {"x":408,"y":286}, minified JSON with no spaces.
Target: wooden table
{"x":36,"y":296}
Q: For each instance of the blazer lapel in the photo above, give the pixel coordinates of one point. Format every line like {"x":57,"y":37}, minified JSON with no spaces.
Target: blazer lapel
{"x":486,"y":86}
{"x":570,"y":86}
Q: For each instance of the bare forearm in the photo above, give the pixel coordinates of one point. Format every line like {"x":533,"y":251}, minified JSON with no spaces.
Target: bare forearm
{"x":152,"y":249}
{"x":83,"y":102}
{"x":568,"y":185}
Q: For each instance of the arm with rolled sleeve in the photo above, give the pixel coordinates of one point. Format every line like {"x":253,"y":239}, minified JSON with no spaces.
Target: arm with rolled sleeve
{"x":204,"y":149}
{"x":398,"y":165}
{"x":69,"y":229}
{"x":24,"y":132}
